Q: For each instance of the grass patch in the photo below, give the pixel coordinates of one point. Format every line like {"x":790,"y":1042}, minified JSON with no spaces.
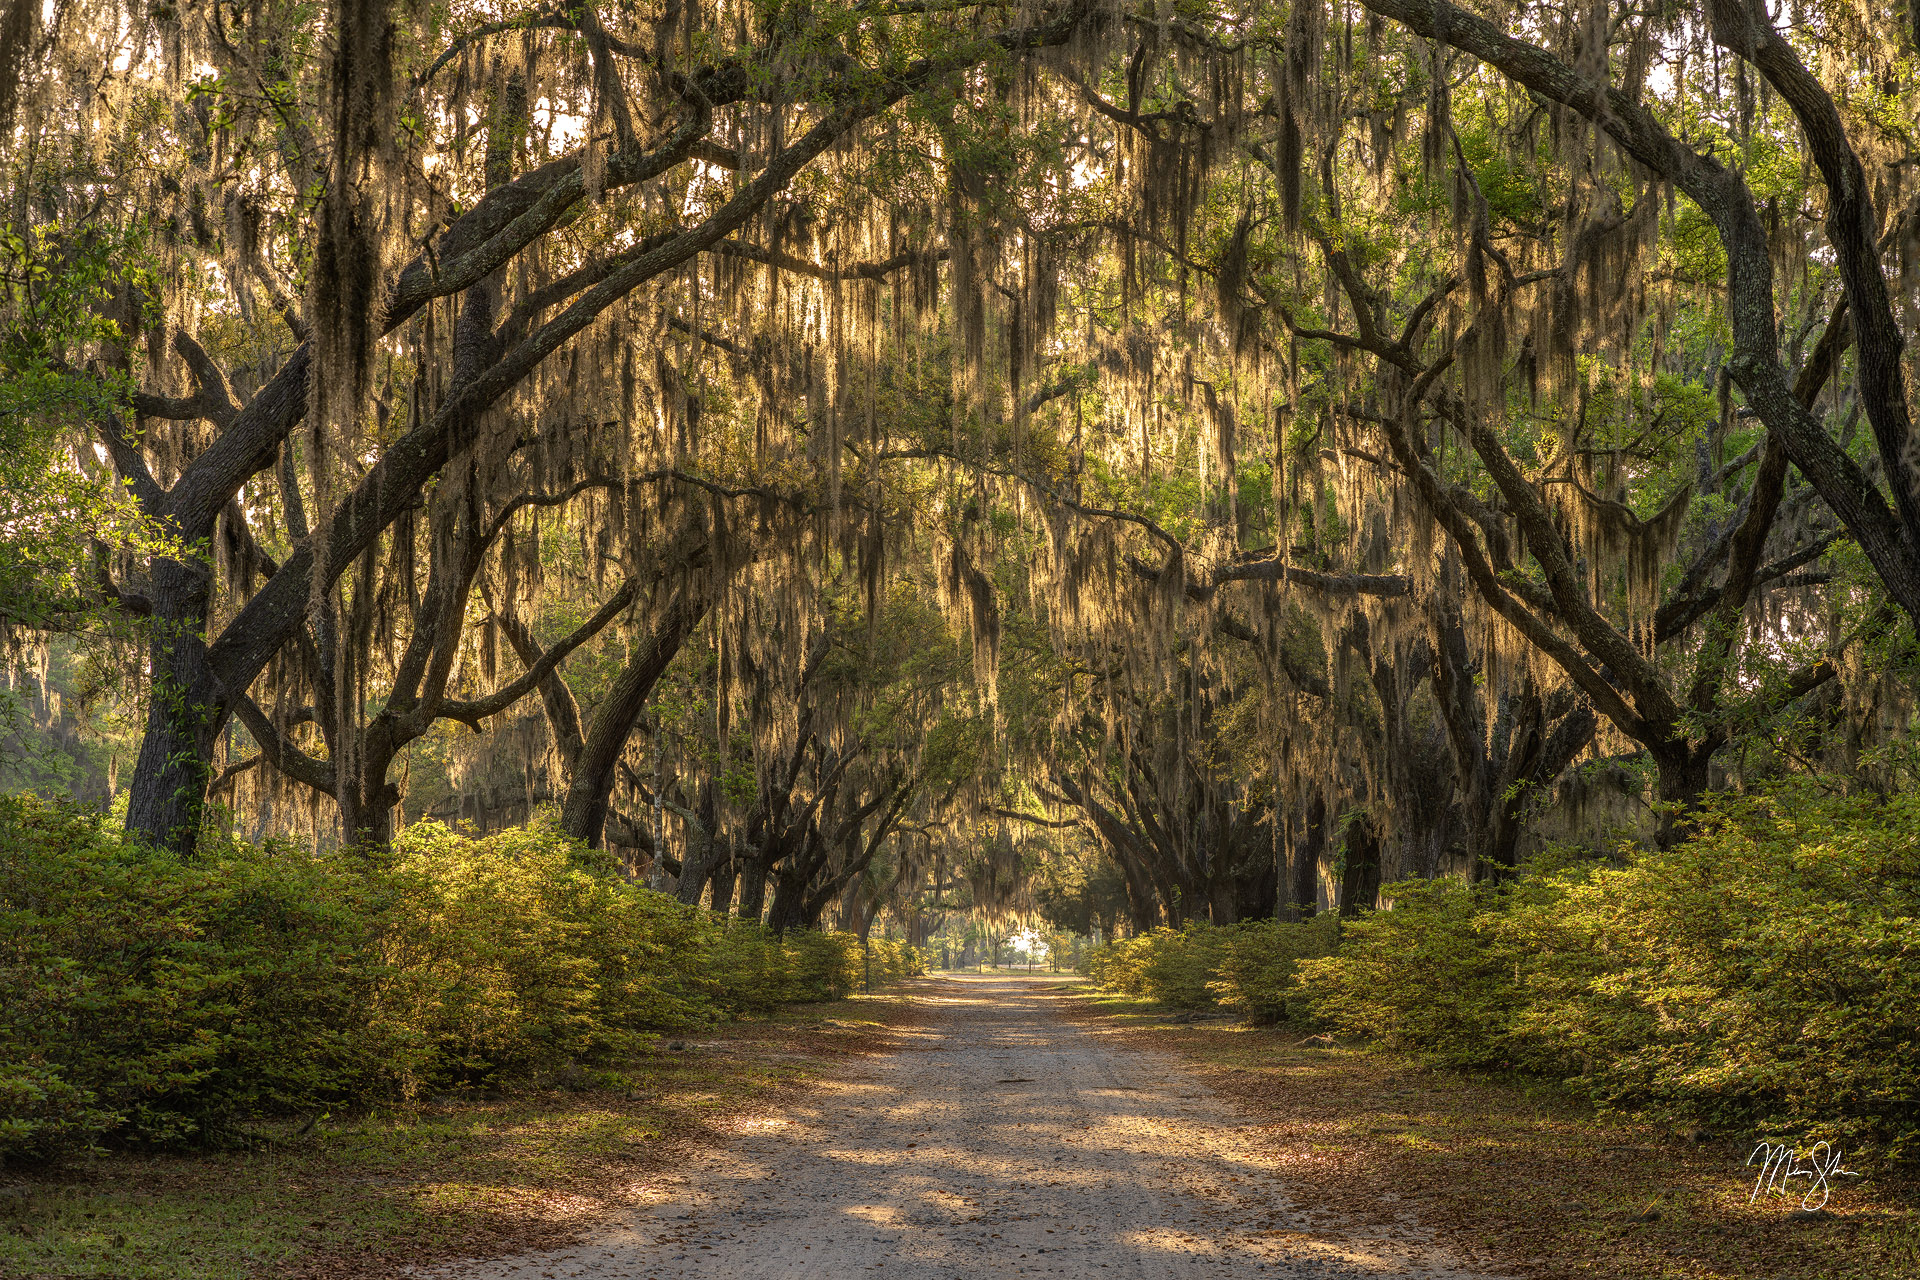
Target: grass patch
{"x":458,"y":1176}
{"x":1517,"y":1174}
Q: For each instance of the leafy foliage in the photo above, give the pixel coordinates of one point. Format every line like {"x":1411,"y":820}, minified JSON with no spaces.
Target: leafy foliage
{"x":1250,"y":968}
{"x":1760,"y":972}
{"x":158,"y":1000}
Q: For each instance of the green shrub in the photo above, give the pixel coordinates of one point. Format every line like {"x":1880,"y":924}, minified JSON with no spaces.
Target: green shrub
{"x":1255,"y":974}
{"x":1180,"y":966}
{"x":1171,"y":966}
{"x":161,"y":999}
{"x":1767,"y":969}
{"x":1246,"y":967}
{"x":1764,"y":971}
{"x":155,"y":1000}
{"x":823,"y":965}
{"x":830,"y":964}
{"x":522,"y":951}
{"x":1435,"y":973}
{"x":895,"y":962}
{"x":749,"y":968}
{"x":1117,"y":965}
{"x":1168,"y":966}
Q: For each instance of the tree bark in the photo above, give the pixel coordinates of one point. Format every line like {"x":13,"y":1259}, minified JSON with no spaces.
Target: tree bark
{"x":1303,"y":863}
{"x":1360,"y":877}
{"x":725,"y":873}
{"x":589,"y":792}
{"x":1683,"y":780}
{"x":185,"y":713}
{"x":753,"y":888}
{"x":789,"y":900}
{"x":702,"y":858}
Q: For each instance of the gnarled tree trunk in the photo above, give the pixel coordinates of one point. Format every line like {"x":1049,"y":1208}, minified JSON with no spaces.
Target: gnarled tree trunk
{"x":185,"y":713}
{"x":590,"y":790}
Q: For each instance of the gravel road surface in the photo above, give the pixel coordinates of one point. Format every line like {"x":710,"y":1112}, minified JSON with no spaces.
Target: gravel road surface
{"x":1002,"y":1139}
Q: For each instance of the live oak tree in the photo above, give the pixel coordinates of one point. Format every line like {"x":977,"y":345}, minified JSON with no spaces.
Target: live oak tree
{"x":449,"y":287}
{"x":1282,"y":449}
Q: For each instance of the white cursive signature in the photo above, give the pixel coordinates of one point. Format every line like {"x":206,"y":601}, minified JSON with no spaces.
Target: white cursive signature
{"x":1780,"y":1165}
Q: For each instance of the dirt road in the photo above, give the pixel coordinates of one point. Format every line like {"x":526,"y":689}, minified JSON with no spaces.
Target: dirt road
{"x":1002,"y":1139}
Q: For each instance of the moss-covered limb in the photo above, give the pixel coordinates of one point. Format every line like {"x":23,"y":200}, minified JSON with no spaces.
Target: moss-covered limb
{"x":1888,"y":540}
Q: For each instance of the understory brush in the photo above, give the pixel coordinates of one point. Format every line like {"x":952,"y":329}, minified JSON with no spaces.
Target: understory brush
{"x":154,"y":1000}
{"x":1249,"y":968}
{"x":1764,"y":972}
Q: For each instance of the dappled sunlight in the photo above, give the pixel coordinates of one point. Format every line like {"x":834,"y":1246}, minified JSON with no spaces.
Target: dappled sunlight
{"x":884,"y":1215}
{"x":1011,"y":1139}
{"x":760,"y":1124}
{"x":542,"y":542}
{"x":1167,"y":1240}
{"x":548,"y":1206}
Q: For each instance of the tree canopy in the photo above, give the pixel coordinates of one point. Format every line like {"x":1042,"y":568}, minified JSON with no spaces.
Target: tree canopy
{"x":1133,"y":460}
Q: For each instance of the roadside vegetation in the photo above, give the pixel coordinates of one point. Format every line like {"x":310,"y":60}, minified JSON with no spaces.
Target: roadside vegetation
{"x":477,"y":1172}
{"x":160,"y":1002}
{"x":1760,"y":978}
